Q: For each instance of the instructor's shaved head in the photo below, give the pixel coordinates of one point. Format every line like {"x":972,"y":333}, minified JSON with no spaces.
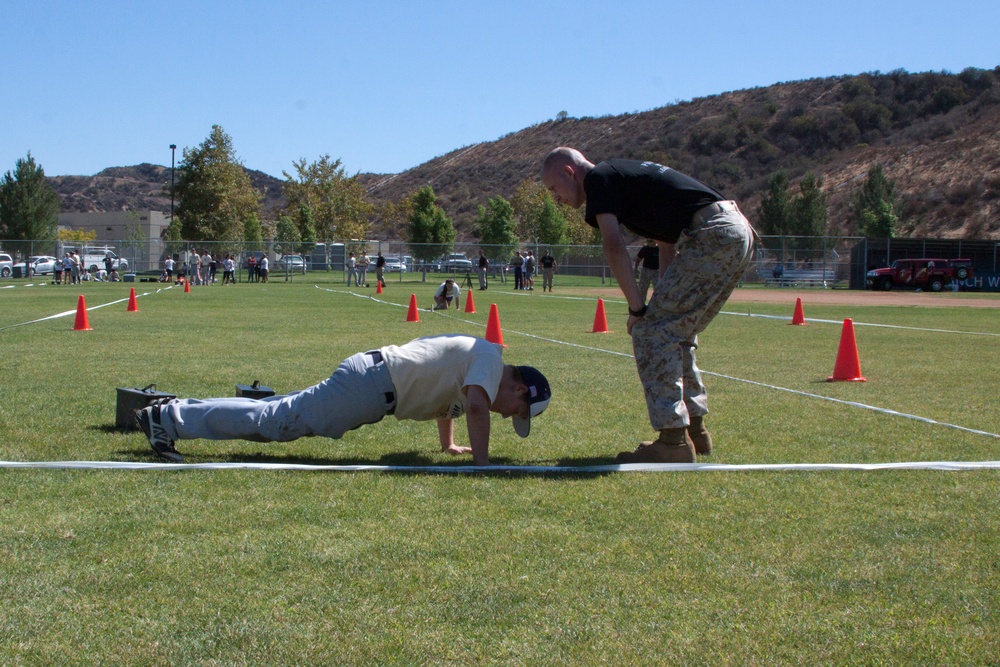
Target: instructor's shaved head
{"x":563,"y":171}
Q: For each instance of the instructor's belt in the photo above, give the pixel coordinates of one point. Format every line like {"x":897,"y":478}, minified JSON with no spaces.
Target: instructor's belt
{"x":704,"y":214}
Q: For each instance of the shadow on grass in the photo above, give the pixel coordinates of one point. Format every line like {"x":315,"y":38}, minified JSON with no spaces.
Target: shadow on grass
{"x":413,"y":458}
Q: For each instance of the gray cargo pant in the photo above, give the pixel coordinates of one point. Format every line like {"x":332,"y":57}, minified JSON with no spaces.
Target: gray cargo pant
{"x":711,"y":258}
{"x":359,"y":392}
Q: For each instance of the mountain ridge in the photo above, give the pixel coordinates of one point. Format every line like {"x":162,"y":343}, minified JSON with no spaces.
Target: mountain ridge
{"x":934,"y":133}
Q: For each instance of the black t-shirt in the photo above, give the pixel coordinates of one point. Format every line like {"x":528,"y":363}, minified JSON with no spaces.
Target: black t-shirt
{"x":650,"y":256}
{"x":548,"y":261}
{"x":651,"y":200}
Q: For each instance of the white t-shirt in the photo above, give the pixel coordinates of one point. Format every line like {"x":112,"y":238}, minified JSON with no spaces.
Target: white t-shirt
{"x":264,"y":263}
{"x":429,"y":374}
{"x":455,"y":291}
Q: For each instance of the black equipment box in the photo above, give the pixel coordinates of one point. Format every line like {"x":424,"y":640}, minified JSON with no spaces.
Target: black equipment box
{"x":255,"y":390}
{"x":130,"y":400}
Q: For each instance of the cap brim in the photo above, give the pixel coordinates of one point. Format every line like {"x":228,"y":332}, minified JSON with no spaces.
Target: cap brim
{"x":522,"y":425}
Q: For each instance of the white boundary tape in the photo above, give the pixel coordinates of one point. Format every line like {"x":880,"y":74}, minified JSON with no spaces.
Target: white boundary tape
{"x":67,"y":313}
{"x":534,"y":470}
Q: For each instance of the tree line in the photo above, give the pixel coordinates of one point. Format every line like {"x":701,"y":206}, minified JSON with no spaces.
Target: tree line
{"x":217,"y":202}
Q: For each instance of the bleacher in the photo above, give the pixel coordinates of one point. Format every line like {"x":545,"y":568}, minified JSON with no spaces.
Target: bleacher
{"x":803,"y":278}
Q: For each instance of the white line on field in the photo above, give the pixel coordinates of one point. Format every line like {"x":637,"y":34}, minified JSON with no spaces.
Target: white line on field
{"x":67,"y":313}
{"x":527,"y":469}
{"x":853,"y":404}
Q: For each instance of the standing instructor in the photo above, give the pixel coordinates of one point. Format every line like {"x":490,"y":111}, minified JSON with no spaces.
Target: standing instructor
{"x":705,"y":246}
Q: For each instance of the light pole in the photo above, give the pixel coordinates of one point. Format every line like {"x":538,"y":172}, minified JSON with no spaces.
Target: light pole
{"x":173,"y":147}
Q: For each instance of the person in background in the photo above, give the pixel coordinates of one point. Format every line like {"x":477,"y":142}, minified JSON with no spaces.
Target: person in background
{"x":549,"y":267}
{"x":446,"y":292}
{"x":647,"y":263}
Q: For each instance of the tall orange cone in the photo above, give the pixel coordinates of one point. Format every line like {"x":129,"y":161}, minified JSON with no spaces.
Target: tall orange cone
{"x":133,"y":306}
{"x":600,"y":319}
{"x":412,"y":315}
{"x":82,"y":322}
{"x":470,"y":303}
{"x":798,"y":317}
{"x":848,"y":366}
{"x":378,"y":290}
{"x":187,"y":285}
{"x":493,"y":332}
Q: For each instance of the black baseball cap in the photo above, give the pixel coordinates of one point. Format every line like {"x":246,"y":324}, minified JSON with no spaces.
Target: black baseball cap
{"x":538,"y":398}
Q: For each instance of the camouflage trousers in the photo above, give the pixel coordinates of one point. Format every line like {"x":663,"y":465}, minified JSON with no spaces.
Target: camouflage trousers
{"x":711,"y":258}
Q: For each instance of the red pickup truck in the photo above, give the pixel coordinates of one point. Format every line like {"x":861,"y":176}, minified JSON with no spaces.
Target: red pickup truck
{"x":930,"y":273}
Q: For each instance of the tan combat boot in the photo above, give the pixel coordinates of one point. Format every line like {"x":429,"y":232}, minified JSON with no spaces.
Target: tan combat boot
{"x":700,"y":437}
{"x":671,"y":447}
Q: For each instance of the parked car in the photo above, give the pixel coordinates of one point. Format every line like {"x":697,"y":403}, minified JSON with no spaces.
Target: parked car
{"x":6,"y":265}
{"x":455,"y":263}
{"x":41,"y":265}
{"x":293,"y":263}
{"x":394,"y":265}
{"x":92,"y":257}
{"x":931,"y":273}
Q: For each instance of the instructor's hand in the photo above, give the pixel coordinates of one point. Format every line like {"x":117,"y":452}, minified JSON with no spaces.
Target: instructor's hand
{"x":632,"y":319}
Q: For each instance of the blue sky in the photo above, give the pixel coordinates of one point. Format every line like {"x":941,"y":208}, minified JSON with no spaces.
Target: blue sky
{"x":386,"y":86}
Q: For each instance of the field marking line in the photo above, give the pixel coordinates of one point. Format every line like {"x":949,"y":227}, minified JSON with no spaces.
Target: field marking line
{"x":797,"y":392}
{"x":862,"y":324}
{"x":73,"y":312}
{"x":948,"y":466}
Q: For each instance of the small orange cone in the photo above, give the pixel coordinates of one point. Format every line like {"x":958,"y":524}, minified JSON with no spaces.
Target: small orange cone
{"x":798,"y":317}
{"x":412,"y":315}
{"x":187,"y":285}
{"x":82,"y":322}
{"x":848,"y":366}
{"x":600,"y":319}
{"x":133,"y":307}
{"x":378,"y":290}
{"x":470,"y":303}
{"x":493,"y":332}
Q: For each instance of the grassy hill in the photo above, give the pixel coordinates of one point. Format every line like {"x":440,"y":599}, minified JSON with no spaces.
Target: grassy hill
{"x":935,"y":134}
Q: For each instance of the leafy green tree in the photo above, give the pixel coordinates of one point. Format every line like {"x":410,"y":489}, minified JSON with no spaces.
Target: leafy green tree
{"x":287,"y":235}
{"x":809,"y":208}
{"x":307,"y":229}
{"x":214,"y":191}
{"x":495,"y":227}
{"x":339,"y":203}
{"x":551,"y":223}
{"x":774,"y":211}
{"x":174,"y":236}
{"x":874,"y":206}
{"x":29,"y":206}
{"x":430,"y":232}
{"x":253,"y":235}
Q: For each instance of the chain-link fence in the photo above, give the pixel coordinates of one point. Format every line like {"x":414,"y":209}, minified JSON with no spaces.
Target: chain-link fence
{"x":778,"y":261}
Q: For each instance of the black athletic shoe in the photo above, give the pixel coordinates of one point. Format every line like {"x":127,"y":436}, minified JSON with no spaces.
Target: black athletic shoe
{"x":149,"y":421}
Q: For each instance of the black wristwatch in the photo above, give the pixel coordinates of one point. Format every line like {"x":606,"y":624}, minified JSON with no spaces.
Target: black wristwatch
{"x":638,"y":313}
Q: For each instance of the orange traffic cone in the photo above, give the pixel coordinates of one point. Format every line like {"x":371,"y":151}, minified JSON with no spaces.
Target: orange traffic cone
{"x":378,"y":290}
{"x":600,"y":319}
{"x":470,"y":303}
{"x":493,"y":332}
{"x":848,"y":366}
{"x":412,"y":315}
{"x":798,"y":317}
{"x":187,"y":285}
{"x":82,"y":323}
{"x":133,"y":307}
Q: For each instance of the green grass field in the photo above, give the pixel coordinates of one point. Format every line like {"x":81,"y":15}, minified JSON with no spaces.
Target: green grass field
{"x":247,"y":567}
